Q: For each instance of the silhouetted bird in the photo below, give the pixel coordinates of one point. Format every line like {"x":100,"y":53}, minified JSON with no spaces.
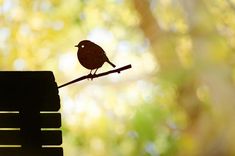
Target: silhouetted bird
{"x":91,"y":55}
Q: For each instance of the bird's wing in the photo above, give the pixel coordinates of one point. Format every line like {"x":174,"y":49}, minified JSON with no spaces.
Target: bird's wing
{"x":99,"y":47}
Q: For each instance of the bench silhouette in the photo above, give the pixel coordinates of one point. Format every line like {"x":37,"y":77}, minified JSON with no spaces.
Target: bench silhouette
{"x":29,"y":117}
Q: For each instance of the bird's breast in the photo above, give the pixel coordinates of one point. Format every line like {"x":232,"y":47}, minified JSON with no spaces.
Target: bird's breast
{"x":90,"y":59}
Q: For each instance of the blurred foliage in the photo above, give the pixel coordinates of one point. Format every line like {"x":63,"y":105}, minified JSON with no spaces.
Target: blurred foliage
{"x":178,"y":99}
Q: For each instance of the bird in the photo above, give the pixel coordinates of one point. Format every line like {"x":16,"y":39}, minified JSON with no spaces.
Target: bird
{"x":91,"y":56}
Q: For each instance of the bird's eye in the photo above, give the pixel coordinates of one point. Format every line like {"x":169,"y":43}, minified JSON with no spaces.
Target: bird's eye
{"x":82,"y":46}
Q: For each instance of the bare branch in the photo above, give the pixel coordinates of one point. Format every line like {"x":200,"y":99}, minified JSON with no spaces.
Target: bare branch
{"x":97,"y":75}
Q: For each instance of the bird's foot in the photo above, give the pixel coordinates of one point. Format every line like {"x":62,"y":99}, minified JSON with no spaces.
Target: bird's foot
{"x":93,"y":76}
{"x":90,"y":76}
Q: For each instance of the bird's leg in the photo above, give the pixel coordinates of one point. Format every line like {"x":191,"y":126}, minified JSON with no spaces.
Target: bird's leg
{"x":90,"y":75}
{"x":93,"y":74}
{"x":95,"y":71}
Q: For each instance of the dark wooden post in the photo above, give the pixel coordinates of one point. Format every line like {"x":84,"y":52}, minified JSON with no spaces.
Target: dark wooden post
{"x":29,"y":101}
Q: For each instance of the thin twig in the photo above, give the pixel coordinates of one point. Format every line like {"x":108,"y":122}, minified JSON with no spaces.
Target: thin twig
{"x":96,"y":75}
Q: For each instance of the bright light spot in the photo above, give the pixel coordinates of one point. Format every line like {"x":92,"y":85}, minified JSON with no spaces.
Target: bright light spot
{"x":7,"y":5}
{"x":87,"y":106}
{"x":36,"y":22}
{"x":24,"y":30}
{"x":99,"y":35}
{"x":69,"y":105}
{"x":46,"y":5}
{"x":5,"y":32}
{"x":124,"y":47}
{"x":67,"y":110}
{"x":19,"y":64}
{"x":145,"y":89}
{"x":58,"y":25}
{"x":17,"y":13}
{"x":67,"y":62}
{"x":94,"y":111}
{"x":120,"y":109}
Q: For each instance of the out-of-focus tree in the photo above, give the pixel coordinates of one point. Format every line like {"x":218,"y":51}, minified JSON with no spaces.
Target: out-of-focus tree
{"x":197,"y":46}
{"x":176,"y":100}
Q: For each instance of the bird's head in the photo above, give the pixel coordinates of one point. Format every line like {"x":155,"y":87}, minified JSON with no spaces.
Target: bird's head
{"x":83,"y":44}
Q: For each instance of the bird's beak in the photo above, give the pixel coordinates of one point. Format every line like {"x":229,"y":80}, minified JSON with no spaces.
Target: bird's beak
{"x":76,"y":46}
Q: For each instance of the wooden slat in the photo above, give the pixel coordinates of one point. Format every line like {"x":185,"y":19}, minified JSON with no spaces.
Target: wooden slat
{"x":14,"y":137}
{"x":47,"y":120}
{"x":9,"y":120}
{"x":13,"y":103}
{"x":50,"y":120}
{"x":20,"y":90}
{"x":10,"y":151}
{"x":45,"y":75}
{"x":55,"y":151}
{"x":52,"y":137}
{"x":18,"y":151}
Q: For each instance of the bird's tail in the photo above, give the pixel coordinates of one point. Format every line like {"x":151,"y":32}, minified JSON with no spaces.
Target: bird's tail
{"x":113,"y":65}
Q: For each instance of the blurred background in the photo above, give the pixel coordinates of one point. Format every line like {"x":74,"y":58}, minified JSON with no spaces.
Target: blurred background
{"x":177,"y":99}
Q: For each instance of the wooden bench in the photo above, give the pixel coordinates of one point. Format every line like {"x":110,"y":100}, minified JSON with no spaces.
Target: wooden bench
{"x":29,"y":117}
